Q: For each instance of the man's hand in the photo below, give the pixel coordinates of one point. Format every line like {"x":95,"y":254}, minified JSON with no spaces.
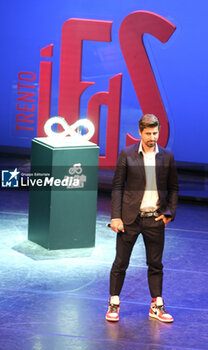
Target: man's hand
{"x":163,"y":217}
{"x":117,"y":225}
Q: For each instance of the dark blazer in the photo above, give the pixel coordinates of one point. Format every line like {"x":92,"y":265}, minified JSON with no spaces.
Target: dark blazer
{"x":129,"y":184}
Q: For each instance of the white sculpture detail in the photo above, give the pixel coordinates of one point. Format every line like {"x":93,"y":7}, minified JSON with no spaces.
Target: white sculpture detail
{"x":69,"y":129}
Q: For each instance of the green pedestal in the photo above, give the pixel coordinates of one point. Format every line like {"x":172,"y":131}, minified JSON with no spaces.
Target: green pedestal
{"x":63,"y":195}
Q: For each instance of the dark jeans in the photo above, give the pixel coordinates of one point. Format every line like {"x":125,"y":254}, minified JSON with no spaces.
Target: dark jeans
{"x":153,"y":236}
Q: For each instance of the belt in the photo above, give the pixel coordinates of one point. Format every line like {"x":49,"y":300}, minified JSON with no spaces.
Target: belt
{"x":148,"y":214}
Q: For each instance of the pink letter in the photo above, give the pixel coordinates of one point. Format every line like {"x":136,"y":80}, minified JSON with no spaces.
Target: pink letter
{"x":74,"y":31}
{"x":112,"y":100}
{"x":131,"y":40}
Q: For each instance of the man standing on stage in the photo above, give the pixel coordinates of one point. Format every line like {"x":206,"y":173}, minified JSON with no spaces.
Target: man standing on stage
{"x":144,"y":200}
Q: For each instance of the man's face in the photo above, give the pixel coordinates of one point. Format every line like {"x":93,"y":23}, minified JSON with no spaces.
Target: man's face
{"x":149,"y":136}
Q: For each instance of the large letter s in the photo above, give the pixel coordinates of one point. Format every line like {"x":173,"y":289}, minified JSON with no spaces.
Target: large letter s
{"x":131,"y":41}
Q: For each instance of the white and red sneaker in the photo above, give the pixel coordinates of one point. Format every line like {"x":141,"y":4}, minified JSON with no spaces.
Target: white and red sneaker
{"x":157,"y":310}
{"x":113,"y":309}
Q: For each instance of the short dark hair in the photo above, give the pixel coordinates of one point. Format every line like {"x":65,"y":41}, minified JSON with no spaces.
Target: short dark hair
{"x":148,"y":121}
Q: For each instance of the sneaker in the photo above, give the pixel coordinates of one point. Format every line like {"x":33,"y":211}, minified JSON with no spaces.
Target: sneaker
{"x":113,"y":312}
{"x":157,"y":310}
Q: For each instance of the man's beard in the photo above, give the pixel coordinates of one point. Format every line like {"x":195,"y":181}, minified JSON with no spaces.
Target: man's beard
{"x":150,"y":144}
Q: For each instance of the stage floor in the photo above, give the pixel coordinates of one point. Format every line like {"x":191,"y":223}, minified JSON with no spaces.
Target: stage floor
{"x":58,"y":300}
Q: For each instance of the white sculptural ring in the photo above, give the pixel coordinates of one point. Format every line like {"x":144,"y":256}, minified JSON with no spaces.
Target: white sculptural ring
{"x":69,"y":129}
